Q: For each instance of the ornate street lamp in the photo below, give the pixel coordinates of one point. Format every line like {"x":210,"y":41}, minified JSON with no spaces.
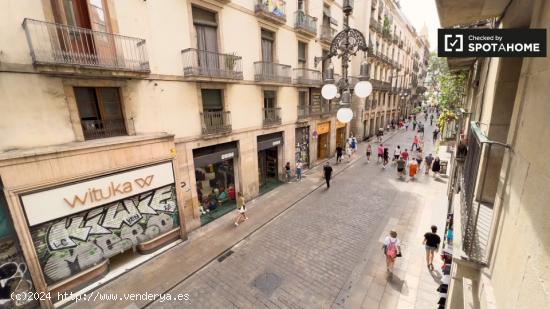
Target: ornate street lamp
{"x":345,"y":44}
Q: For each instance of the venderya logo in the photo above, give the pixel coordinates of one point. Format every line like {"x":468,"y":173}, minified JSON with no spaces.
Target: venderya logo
{"x":491,"y":43}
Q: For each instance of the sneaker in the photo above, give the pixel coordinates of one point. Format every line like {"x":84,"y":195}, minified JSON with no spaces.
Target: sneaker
{"x":236,"y":224}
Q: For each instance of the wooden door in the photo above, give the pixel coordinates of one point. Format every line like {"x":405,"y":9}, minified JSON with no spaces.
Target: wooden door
{"x":322,"y":146}
{"x":104,"y":43}
{"x":76,"y":42}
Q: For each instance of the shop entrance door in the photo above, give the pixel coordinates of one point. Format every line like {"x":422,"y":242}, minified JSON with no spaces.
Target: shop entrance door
{"x":322,"y":146}
{"x":268,"y":173}
{"x":341,"y":137}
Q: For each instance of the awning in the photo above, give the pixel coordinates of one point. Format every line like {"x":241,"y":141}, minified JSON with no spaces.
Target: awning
{"x":269,"y":141}
{"x":463,"y":12}
{"x":214,"y":154}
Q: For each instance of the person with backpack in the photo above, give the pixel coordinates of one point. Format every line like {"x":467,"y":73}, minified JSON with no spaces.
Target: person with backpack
{"x":431,"y":242}
{"x":392,"y":249}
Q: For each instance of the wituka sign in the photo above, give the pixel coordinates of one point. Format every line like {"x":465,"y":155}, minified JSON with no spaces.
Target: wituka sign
{"x":63,"y":201}
{"x":77,"y":241}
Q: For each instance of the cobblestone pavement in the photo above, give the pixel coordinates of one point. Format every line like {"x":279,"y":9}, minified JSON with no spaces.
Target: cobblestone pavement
{"x":325,"y":251}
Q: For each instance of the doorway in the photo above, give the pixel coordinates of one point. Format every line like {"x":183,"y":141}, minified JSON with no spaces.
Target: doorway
{"x":322,"y":146}
{"x":268,"y":174}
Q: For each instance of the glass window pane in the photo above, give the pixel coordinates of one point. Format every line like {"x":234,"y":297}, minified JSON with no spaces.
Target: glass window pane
{"x":111,"y":103}
{"x":212,"y":99}
{"x":86,"y":102}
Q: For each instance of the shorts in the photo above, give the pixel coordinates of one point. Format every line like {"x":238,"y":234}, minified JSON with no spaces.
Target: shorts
{"x":419,"y":161}
{"x":368,"y":153}
{"x":395,"y":157}
{"x":380,"y":155}
{"x":431,"y":249}
{"x":400,"y":170}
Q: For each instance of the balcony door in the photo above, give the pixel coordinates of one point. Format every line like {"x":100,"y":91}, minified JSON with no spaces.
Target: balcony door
{"x":206,"y":27}
{"x":86,"y":40}
{"x":100,"y":112}
{"x":268,"y":42}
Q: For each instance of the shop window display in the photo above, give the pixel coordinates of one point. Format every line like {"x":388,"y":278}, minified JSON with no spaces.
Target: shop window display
{"x":216,"y":190}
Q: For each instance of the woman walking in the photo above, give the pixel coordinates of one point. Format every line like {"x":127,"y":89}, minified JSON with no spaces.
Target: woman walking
{"x":392,"y":249}
{"x":380,"y":153}
{"x":241,"y":210}
{"x":436,"y":167}
{"x":288,"y":172}
{"x":299,"y":170}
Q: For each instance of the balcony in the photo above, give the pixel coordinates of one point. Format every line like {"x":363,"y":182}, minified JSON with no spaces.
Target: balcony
{"x":93,"y":129}
{"x":303,"y":112}
{"x":327,"y":34}
{"x":272,"y":116}
{"x":271,"y":11}
{"x":305,"y":24}
{"x":307,"y":77}
{"x":73,"y":49}
{"x":215,"y":122}
{"x":269,"y":72}
{"x":207,"y":64}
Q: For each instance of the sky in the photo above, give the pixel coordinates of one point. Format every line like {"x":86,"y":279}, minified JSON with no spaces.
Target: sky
{"x":422,"y":11}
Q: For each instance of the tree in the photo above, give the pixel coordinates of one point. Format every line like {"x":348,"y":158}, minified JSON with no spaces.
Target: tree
{"x":445,"y":88}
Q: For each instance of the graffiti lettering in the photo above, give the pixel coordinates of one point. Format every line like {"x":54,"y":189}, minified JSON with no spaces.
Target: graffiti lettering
{"x":70,"y":245}
{"x":14,"y":277}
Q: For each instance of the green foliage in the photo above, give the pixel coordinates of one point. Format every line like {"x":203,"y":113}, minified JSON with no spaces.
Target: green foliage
{"x":386,"y":28}
{"x":446,"y":88}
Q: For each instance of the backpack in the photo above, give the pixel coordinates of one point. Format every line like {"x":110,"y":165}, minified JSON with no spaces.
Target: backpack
{"x":391,"y":249}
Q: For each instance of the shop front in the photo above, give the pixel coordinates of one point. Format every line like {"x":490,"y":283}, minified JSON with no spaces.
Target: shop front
{"x":269,"y":152}
{"x":215,"y":178}
{"x":81,"y":230}
{"x":302,"y":145}
{"x":323,"y":140}
{"x":340,"y":134}
{"x":14,"y":274}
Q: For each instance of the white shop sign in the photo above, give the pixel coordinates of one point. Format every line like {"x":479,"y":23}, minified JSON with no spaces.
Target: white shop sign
{"x":60,"y":202}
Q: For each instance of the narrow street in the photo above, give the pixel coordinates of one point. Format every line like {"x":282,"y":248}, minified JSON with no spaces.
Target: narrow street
{"x":325,"y":251}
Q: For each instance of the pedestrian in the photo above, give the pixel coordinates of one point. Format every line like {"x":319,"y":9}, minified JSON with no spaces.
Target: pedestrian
{"x":287,"y":171}
{"x":436,"y":167}
{"x":241,"y":209}
{"x":419,"y":157}
{"x":414,"y":124}
{"x":327,"y":171}
{"x":380,"y":153}
{"x":392,"y":250}
{"x":429,"y":159}
{"x":435,"y":134}
{"x":426,"y":116}
{"x":339,"y":154}
{"x":450,"y":235}
{"x":401,"y":167}
{"x":406,"y":125}
{"x":380,"y":134}
{"x":353,"y":144}
{"x":416,"y":140}
{"x":431,"y":243}
{"x":405,"y":155}
{"x":369,"y":151}
{"x":396,"y":153}
{"x":413,"y":168}
{"x":349,"y":152}
{"x":299,"y":170}
{"x":386,"y":157}
{"x":431,"y":119}
{"x":421,"y":130}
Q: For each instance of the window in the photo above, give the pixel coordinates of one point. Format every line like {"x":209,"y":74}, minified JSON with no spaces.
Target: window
{"x":268,"y":40}
{"x":302,"y":99}
{"x":302,"y":54}
{"x":100,"y":112}
{"x":269,"y":99}
{"x":206,"y":27}
{"x":302,"y":5}
{"x":212,"y":100}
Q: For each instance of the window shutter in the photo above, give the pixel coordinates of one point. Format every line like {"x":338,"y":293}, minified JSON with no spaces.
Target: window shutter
{"x":212,"y":99}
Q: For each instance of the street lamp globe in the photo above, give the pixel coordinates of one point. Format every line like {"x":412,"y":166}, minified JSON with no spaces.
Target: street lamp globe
{"x":363,"y":89}
{"x":344,"y":114}
{"x":329,"y":91}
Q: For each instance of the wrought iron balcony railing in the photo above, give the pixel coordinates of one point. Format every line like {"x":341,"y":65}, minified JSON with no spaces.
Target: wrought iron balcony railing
{"x":327,"y":34}
{"x":303,"y":111}
{"x":307,"y":77}
{"x":272,"y":116}
{"x":271,"y":10}
{"x":215,"y":122}
{"x":202,"y":63}
{"x":305,"y":24}
{"x":272,"y":72}
{"x":97,"y":128}
{"x":59,"y":44}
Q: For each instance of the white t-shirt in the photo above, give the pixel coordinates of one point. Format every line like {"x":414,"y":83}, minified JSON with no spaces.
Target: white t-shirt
{"x":395,"y":241}
{"x":397,"y":152}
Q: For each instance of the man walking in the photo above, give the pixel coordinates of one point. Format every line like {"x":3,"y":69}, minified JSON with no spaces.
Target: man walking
{"x":435,"y":134}
{"x":339,"y":154}
{"x":431,"y":241}
{"x":327,"y":170}
{"x":415,"y":142}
